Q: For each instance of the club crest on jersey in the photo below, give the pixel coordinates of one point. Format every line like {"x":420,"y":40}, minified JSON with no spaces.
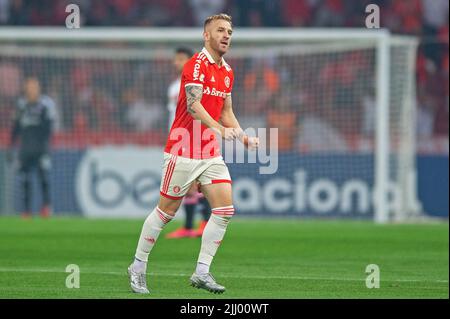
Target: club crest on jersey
{"x":227,"y":81}
{"x":176,"y":189}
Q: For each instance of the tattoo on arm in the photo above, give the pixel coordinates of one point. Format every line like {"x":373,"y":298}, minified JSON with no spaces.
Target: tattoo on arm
{"x":193,"y":94}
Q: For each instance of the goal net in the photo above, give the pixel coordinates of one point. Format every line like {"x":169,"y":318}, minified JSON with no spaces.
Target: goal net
{"x":342,"y":101}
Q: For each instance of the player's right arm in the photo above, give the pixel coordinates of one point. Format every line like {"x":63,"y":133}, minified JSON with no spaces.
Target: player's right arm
{"x":193,"y":73}
{"x":194,"y":95}
{"x":48,"y":118}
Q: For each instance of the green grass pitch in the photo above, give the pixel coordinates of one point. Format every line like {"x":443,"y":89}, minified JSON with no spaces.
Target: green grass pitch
{"x":259,"y":258}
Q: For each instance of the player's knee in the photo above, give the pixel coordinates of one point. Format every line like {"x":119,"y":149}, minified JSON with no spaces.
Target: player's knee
{"x":222,"y":215}
{"x":170,"y":212}
{"x":170,"y":207}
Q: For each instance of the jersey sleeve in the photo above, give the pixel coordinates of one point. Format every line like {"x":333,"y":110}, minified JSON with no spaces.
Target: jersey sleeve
{"x":194,"y":72}
{"x":50,"y":107}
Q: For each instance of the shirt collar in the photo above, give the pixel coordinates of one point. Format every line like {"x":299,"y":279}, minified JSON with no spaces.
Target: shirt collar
{"x":211,"y":60}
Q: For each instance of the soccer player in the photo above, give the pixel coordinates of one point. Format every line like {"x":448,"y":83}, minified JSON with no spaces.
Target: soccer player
{"x":194,"y":199}
{"x":192,"y":154}
{"x":33,"y":121}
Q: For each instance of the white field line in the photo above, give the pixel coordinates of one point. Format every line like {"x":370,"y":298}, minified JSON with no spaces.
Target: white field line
{"x":260,"y":277}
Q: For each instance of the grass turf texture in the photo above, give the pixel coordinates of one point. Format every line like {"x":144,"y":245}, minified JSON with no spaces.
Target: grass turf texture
{"x":260,"y":258}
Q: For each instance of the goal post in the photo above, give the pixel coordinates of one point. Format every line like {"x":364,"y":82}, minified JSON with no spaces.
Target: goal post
{"x":328,"y":78}
{"x":382,"y":128}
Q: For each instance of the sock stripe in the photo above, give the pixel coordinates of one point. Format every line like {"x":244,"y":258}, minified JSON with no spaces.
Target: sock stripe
{"x":223,"y":210}
{"x":224,"y":213}
{"x":224,"y":207}
{"x":164,"y":219}
{"x":163,"y":216}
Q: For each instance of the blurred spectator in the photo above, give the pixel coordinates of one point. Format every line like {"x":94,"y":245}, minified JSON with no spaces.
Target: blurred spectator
{"x":424,"y":118}
{"x":19,"y":13}
{"x":10,"y":88}
{"x":316,"y":135}
{"x":369,"y":116}
{"x":258,"y":13}
{"x":331,"y":14}
{"x":201,"y":9}
{"x":435,"y":15}
{"x":435,"y":19}
{"x":261,"y":83}
{"x":10,"y":80}
{"x":55,"y":91}
{"x":141,"y":116}
{"x":4,"y":11}
{"x":405,"y":17}
{"x":296,"y":13}
{"x":281,"y":115}
{"x":104,"y":111}
{"x":328,"y":88}
{"x":442,"y":94}
{"x":99,"y":13}
{"x":341,"y":86}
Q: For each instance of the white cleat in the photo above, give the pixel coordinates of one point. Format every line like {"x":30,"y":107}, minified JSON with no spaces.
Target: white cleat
{"x":138,"y":281}
{"x":207,"y":282}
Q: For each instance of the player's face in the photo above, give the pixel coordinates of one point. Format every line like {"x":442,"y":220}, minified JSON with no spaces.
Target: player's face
{"x":218,"y":35}
{"x":179,"y":61}
{"x":32,"y":90}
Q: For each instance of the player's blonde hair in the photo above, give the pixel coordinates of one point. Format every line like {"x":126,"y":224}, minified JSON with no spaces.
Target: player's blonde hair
{"x":220,"y":16}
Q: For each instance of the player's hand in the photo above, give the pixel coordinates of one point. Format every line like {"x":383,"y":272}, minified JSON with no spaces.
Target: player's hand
{"x":229,"y":133}
{"x":251,"y":142}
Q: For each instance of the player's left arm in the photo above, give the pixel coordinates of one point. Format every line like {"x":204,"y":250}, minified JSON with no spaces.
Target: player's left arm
{"x":48,"y":120}
{"x":229,"y":120}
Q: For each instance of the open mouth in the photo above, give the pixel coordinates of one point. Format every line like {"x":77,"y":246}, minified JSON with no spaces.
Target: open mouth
{"x":224,"y":42}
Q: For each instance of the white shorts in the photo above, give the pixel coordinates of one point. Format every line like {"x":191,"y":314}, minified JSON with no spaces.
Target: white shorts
{"x":180,"y":172}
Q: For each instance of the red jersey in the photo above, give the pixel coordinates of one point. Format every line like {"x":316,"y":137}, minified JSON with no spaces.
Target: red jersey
{"x":193,"y":139}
